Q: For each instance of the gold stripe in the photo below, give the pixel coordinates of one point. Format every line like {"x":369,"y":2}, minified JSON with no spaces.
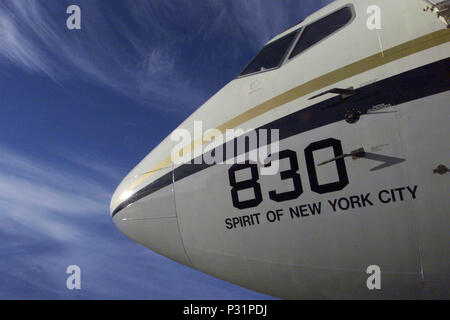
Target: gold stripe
{"x":369,"y":63}
{"x":377,"y":60}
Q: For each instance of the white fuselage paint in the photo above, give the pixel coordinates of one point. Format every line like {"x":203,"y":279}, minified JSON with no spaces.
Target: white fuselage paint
{"x":394,"y":216}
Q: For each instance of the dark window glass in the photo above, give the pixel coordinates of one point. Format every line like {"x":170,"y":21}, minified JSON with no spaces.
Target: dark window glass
{"x":321,"y":29}
{"x":271,"y":55}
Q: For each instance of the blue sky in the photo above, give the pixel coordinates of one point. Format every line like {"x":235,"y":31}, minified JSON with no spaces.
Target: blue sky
{"x":80,"y":108}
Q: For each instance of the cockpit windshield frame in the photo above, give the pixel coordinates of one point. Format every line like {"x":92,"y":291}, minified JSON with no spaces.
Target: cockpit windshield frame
{"x":305,"y":28}
{"x":298,"y":36}
{"x":287,"y":50}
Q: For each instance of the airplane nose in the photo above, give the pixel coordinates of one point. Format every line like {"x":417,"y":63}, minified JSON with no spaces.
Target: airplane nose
{"x":148,"y":216}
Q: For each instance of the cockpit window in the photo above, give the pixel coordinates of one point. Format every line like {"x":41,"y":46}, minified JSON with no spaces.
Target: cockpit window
{"x":271,"y":56}
{"x":319,"y":30}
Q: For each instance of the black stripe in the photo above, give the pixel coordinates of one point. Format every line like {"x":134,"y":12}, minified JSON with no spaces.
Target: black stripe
{"x":415,"y":84}
{"x":156,"y":185}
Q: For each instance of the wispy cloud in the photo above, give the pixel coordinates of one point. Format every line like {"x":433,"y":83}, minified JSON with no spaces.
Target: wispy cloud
{"x":45,"y":213}
{"x":169,"y":55}
{"x":143,"y":49}
{"x":33,"y":36}
{"x":17,"y":47}
{"x":39,"y":195}
{"x":53,"y":216}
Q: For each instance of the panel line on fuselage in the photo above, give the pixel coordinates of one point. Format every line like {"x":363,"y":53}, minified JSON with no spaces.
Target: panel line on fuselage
{"x":404,"y":87}
{"x":377,"y":60}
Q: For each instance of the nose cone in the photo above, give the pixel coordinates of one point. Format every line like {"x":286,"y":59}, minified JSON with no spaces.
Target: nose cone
{"x":148,"y":215}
